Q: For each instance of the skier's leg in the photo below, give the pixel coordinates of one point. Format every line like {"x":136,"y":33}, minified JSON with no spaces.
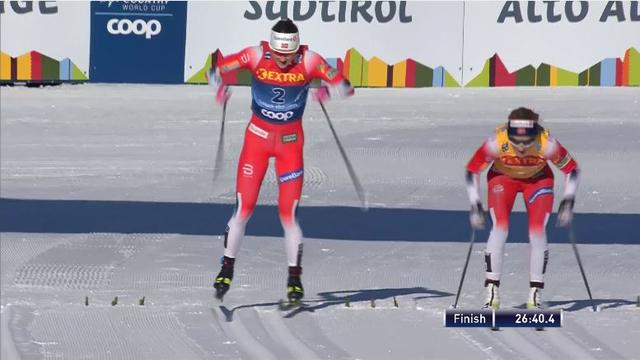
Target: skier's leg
{"x":539,"y":202}
{"x":253,"y":163}
{"x":502,"y":194}
{"x":290,"y":170}
{"x":252,"y":166}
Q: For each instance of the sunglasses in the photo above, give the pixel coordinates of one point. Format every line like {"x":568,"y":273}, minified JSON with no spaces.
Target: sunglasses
{"x":279,"y":54}
{"x":527,"y":142}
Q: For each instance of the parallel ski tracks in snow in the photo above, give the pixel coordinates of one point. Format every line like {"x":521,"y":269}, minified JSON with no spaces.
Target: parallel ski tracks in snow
{"x":527,"y":343}
{"x":263,"y":334}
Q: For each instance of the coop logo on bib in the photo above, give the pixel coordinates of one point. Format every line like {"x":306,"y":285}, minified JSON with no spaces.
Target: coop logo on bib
{"x":276,"y":115}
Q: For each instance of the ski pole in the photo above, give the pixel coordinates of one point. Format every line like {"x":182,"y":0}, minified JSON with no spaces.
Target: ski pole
{"x":466,"y":263}
{"x":584,"y":277}
{"x":352,"y":173}
{"x":220,"y":152}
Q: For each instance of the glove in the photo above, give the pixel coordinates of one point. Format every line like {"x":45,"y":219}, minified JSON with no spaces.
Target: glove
{"x":222,"y":91}
{"x":223,"y":94}
{"x":565,"y":212}
{"x":327,"y":91}
{"x":320,"y":94}
{"x":477,"y":216}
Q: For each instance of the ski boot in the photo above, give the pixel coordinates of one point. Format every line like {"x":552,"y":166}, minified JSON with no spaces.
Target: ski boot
{"x":223,"y":280}
{"x":534,"y":302}
{"x":295,"y":291}
{"x":493,"y":296}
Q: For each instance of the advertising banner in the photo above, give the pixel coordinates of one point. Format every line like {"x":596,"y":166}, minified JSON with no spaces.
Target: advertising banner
{"x":138,"y":41}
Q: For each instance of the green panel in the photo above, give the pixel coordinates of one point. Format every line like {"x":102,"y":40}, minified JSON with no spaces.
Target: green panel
{"x":365,"y":73}
{"x":634,"y":67}
{"x":424,"y":76}
{"x":199,"y":77}
{"x":567,"y":78}
{"x":450,"y":81}
{"x":77,"y":74}
{"x":594,"y":75}
{"x":50,"y":68}
{"x":482,"y":80}
{"x":355,"y":67}
{"x":583,"y":78}
{"x":543,"y":75}
{"x":244,"y":77}
{"x":526,"y":76}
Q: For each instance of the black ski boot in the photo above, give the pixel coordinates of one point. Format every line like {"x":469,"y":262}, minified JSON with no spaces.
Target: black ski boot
{"x":295,"y":291}
{"x":223,"y":280}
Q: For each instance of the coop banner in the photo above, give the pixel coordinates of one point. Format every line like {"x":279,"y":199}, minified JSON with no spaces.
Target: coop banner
{"x":138,"y":41}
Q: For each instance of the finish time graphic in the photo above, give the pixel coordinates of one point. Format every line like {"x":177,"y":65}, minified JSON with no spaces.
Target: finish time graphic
{"x":503,"y":318}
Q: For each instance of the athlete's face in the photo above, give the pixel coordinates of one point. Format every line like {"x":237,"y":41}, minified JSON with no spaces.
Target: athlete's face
{"x":521,"y":143}
{"x":283,"y":60}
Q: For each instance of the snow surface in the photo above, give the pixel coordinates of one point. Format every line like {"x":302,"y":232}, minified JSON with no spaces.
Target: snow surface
{"x":106,"y":191}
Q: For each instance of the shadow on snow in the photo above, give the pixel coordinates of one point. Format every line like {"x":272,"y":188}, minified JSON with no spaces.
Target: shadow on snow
{"x":342,"y":298}
{"x":326,"y":222}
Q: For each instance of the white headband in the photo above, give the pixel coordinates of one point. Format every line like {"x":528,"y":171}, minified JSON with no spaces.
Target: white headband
{"x":521,"y":124}
{"x":284,"y":43}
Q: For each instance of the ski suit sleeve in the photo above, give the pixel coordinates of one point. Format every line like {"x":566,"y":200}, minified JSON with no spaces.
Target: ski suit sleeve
{"x":247,"y":58}
{"x":483,"y":156}
{"x":561,"y":158}
{"x":335,"y":85}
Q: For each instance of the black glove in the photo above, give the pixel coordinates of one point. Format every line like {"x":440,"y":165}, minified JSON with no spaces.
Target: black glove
{"x":477,"y":216}
{"x":565,"y":212}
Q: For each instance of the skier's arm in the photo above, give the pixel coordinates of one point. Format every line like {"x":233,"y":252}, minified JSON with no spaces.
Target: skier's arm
{"x":483,"y":156}
{"x":333,"y":84}
{"x":479,"y":161}
{"x":561,"y":158}
{"x":246,"y":59}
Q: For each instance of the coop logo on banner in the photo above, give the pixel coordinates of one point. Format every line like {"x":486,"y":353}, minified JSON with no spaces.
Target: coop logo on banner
{"x":138,"y":41}
{"x":137,"y":27}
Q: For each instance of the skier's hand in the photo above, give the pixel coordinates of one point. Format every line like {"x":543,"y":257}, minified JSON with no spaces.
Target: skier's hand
{"x":223,"y":94}
{"x":320,"y":94}
{"x":215,"y":79}
{"x":336,"y":91}
{"x":477,"y":216}
{"x":565,"y":212}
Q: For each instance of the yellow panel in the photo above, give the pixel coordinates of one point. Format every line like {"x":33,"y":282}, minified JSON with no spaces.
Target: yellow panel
{"x":24,"y":67}
{"x":400,"y":74}
{"x":5,"y":66}
{"x":377,"y":73}
{"x":553,"y":74}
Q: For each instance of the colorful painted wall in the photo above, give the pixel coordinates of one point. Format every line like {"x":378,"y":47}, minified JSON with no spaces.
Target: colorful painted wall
{"x":44,"y":41}
{"x":623,"y":71}
{"x":35,"y":67}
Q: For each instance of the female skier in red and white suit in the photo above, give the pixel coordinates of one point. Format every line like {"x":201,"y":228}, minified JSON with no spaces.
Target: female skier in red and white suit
{"x":519,"y":151}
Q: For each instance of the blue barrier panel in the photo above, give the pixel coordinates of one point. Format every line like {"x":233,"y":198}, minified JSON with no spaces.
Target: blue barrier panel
{"x":138,"y":42}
